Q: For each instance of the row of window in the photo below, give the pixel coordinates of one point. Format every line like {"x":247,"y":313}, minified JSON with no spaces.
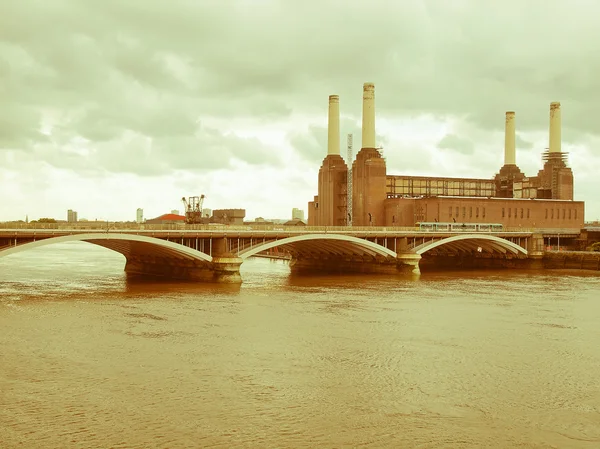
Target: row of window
{"x":440,"y":183}
{"x":438,"y":191}
{"x":564,"y":213}
{"x":464,"y":212}
{"x":512,"y":212}
{"x":516,"y":213}
{"x":571,"y":213}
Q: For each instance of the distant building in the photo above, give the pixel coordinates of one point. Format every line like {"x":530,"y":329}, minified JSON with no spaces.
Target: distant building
{"x":167,"y":219}
{"x":259,"y":221}
{"x":228,"y":216}
{"x":139,"y":215}
{"x":297,"y":214}
{"x":175,"y":212}
{"x":207,"y":213}
{"x":294,"y":222}
{"x":71,"y":216}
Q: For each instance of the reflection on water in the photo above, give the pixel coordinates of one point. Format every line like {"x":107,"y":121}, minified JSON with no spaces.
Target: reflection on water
{"x":472,"y":359}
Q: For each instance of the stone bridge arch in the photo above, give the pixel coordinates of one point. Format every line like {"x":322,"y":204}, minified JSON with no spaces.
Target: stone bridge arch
{"x":129,"y":245}
{"x":328,"y":244}
{"x":151,"y":256}
{"x":471,"y":242}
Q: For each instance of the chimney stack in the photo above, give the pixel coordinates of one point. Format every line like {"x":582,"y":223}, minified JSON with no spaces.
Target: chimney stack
{"x":509,"y":139}
{"x":554,"y":144}
{"x":333,"y":131}
{"x":368,"y":118}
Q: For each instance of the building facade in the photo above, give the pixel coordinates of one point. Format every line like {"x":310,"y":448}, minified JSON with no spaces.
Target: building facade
{"x":139,"y":215}
{"x":71,"y":216}
{"x":297,"y":214}
{"x":228,"y":216}
{"x":509,"y":198}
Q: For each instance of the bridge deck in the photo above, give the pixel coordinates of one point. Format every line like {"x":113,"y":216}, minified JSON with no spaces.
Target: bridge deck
{"x":245,"y":232}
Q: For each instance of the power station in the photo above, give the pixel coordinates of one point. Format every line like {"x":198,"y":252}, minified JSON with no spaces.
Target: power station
{"x":361,"y":193}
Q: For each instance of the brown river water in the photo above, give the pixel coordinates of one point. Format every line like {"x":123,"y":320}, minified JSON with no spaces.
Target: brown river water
{"x":481,"y":359}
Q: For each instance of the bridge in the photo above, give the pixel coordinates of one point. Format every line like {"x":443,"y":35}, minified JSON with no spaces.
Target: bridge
{"x":215,"y":253}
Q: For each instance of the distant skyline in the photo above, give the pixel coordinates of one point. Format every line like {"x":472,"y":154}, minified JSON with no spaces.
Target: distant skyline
{"x":112,"y":106}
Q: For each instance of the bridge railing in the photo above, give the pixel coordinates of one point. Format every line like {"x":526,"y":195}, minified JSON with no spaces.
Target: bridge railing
{"x":256,"y":227}
{"x":104,"y":226}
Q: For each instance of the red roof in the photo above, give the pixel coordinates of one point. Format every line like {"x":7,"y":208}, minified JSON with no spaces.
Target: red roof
{"x":171,"y":217}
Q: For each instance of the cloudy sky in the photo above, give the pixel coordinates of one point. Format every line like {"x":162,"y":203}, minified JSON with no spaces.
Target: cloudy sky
{"x":111,"y":105}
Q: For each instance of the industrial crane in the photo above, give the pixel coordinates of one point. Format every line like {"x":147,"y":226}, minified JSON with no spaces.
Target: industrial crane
{"x":193,"y":209}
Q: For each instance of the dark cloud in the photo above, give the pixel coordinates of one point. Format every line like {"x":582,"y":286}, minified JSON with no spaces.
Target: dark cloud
{"x":522,"y":144}
{"x":207,"y":149}
{"x":311,"y":142}
{"x":458,"y":144}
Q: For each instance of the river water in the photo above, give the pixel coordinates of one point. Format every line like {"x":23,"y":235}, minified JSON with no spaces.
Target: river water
{"x":445,"y":360}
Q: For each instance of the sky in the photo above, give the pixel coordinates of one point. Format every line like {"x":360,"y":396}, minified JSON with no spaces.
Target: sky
{"x":111,"y":105}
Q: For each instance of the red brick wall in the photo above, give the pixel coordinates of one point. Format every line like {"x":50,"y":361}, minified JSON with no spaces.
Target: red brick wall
{"x":516,"y":213}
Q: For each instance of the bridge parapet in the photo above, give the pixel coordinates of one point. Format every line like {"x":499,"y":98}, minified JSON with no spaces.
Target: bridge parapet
{"x":251,"y":227}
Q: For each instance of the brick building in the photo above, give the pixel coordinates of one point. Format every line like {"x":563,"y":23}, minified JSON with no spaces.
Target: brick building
{"x":510,"y":197}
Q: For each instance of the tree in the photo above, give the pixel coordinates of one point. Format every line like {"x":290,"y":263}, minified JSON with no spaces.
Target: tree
{"x":594,"y":247}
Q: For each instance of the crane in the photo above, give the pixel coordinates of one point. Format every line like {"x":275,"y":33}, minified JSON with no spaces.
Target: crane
{"x":193,"y":209}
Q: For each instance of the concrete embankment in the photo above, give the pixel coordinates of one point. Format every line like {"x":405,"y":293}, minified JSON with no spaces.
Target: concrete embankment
{"x":580,"y":260}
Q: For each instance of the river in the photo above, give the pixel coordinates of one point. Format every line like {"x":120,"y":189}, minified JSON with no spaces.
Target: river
{"x":487,"y":359}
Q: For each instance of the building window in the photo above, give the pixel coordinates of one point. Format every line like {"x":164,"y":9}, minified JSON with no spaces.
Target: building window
{"x":483,"y":213}
{"x":558,"y":214}
{"x":502,"y":212}
{"x":476,"y":212}
{"x":457,"y":212}
{"x":546,"y":213}
{"x":575,"y":214}
{"x":470,"y":212}
{"x":552,"y":214}
{"x":527,"y":213}
{"x":521,"y":212}
{"x":450,"y":212}
{"x":464,"y":212}
{"x":509,"y":212}
{"x":569,"y":214}
{"x":564,"y":214}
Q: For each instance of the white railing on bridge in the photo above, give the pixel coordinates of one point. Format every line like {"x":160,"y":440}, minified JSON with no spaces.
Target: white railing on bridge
{"x":253,"y":227}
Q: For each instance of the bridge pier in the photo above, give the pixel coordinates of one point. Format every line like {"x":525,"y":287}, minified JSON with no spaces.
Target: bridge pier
{"x":535,"y":252}
{"x":226,"y":270}
{"x":225,"y":265}
{"x":409,"y":262}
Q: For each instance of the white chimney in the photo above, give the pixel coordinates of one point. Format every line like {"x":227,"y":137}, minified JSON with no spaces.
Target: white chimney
{"x":368,"y":118}
{"x":554,"y":144}
{"x":333,"y":134}
{"x":509,"y":139}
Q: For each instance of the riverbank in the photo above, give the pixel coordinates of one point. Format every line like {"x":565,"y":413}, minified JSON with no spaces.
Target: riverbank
{"x":580,"y":260}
